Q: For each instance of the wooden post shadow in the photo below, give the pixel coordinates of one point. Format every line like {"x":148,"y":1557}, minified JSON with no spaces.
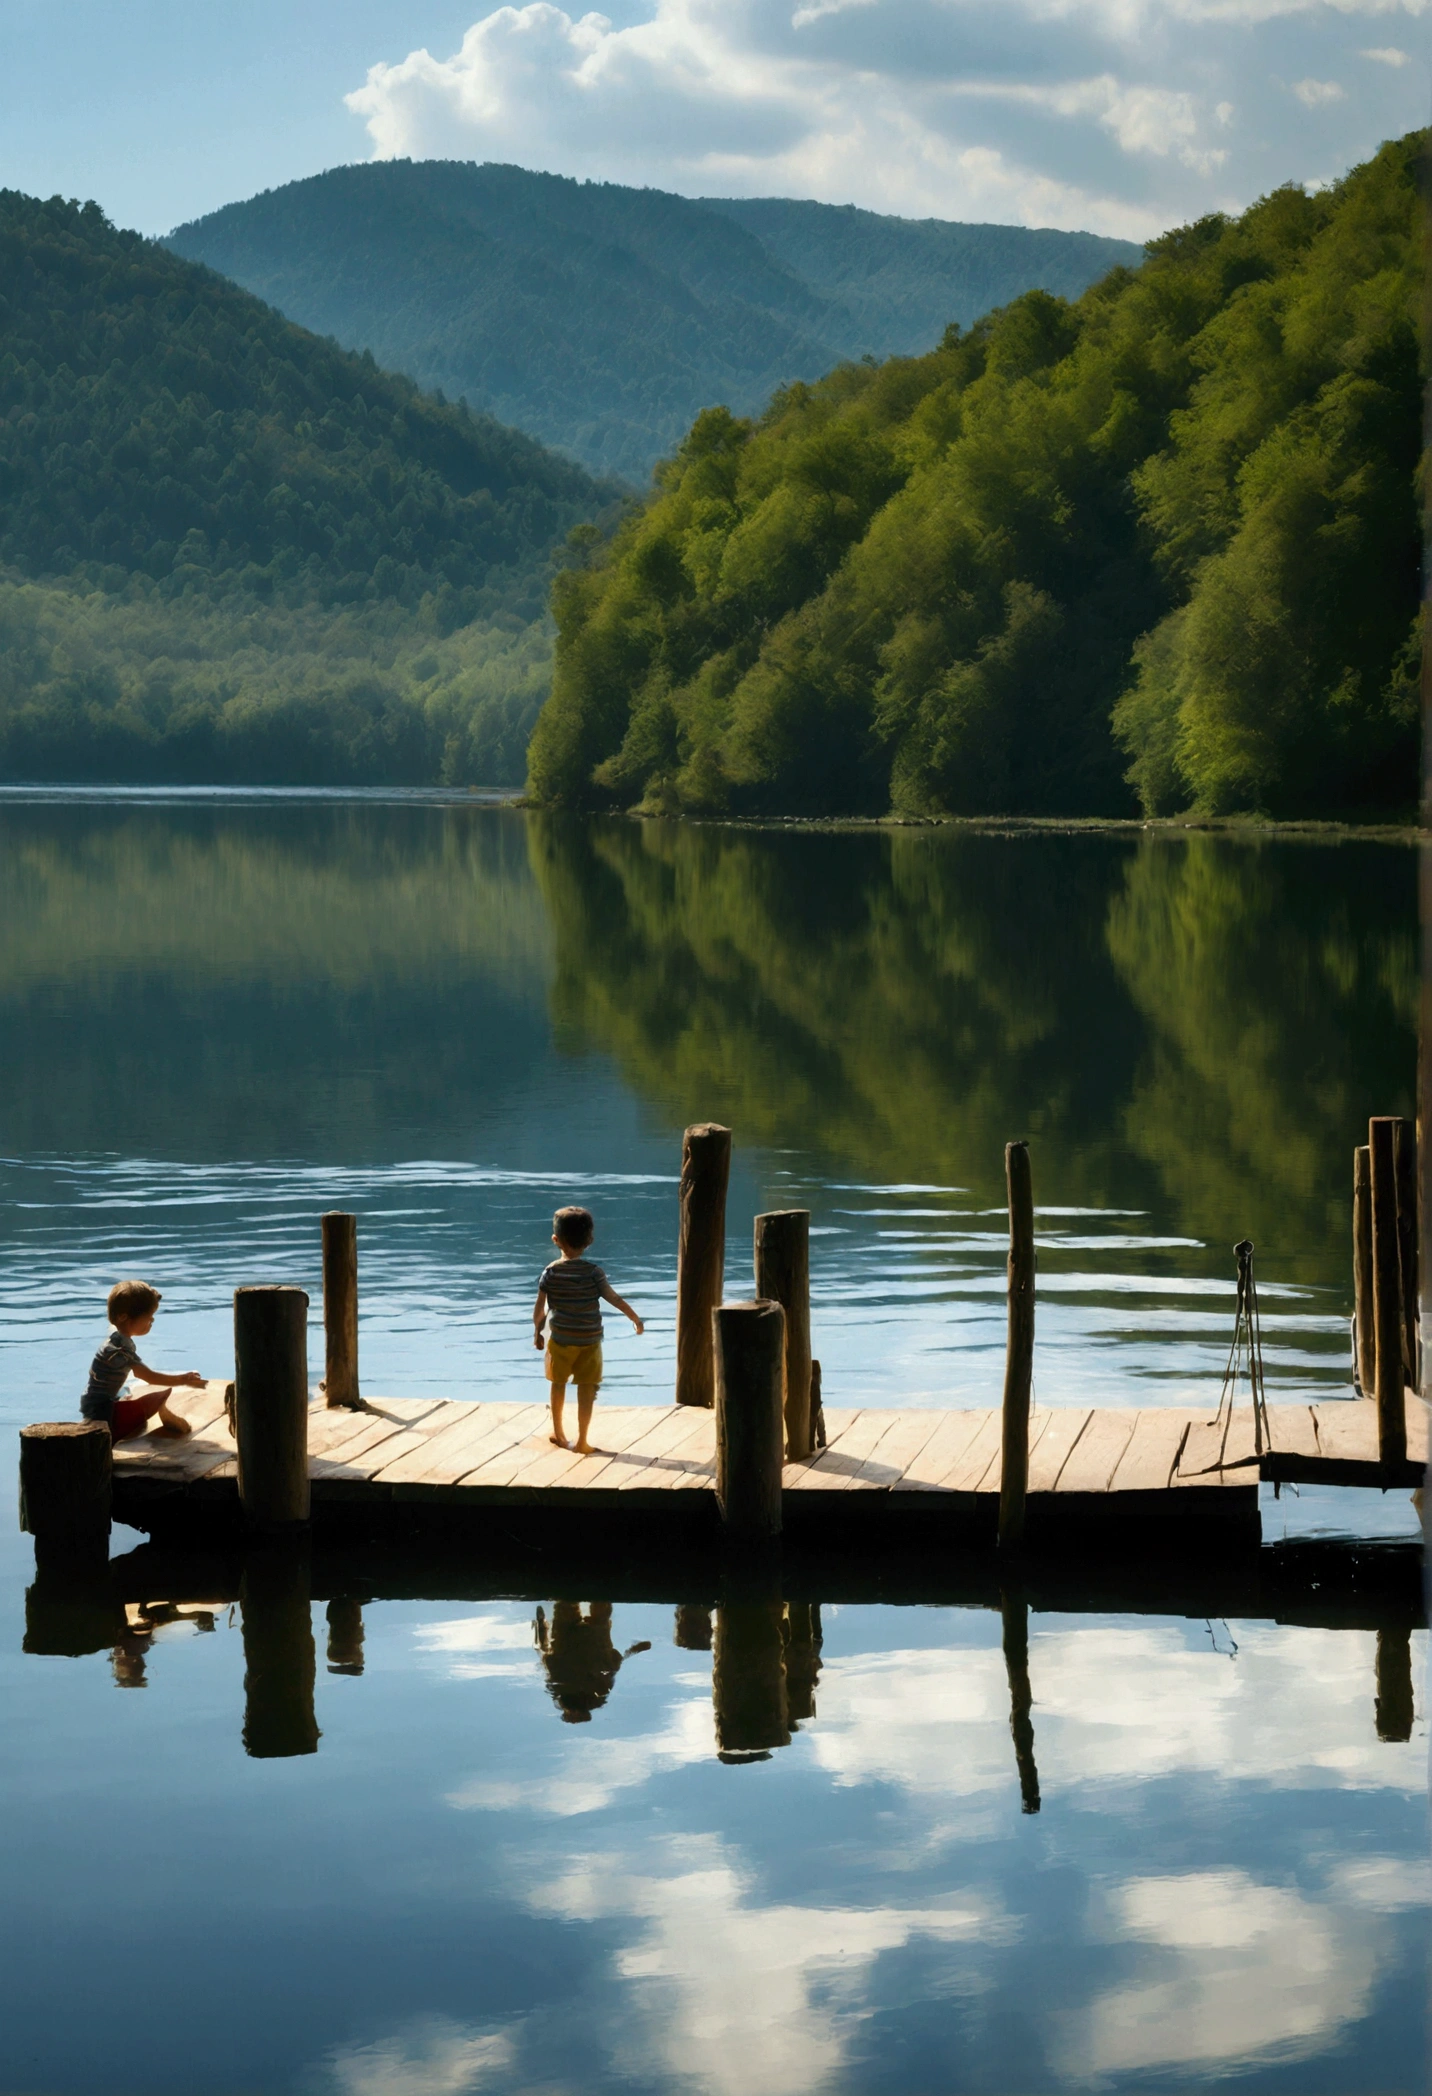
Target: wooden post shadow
{"x":280,"y":1662}
{"x":1014,"y":1616}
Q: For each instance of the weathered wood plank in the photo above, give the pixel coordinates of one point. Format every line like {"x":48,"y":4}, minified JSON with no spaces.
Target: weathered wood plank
{"x":1293,"y":1430}
{"x":952,"y":1436}
{"x":969,"y":1472}
{"x":1055,"y":1446}
{"x":1095,"y":1456}
{"x":447,"y":1439}
{"x":1147,"y":1462}
{"x":890,"y":1463}
{"x":1347,"y":1433}
{"x":621,"y":1433}
{"x":845,"y":1453}
{"x":687,"y":1435}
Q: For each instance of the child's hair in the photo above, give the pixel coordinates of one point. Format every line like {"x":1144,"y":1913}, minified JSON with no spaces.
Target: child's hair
{"x":132,"y":1299}
{"x":574,"y":1228}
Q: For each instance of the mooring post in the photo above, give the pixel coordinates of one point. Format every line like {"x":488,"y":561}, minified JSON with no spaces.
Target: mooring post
{"x":1387,"y":1293}
{"x":340,"y":1309}
{"x":748,"y":1678}
{"x":748,"y":1341}
{"x":271,"y":1404}
{"x":1392,"y":1711}
{"x":280,"y":1662}
{"x":1014,"y":1618}
{"x":782,"y":1246}
{"x":345,"y":1634}
{"x":1404,"y":1144}
{"x":700,"y":1257}
{"x":692,"y":1630}
{"x":1019,"y":1349}
{"x":803,"y":1649}
{"x":1364,"y":1299}
{"x":66,"y":1473}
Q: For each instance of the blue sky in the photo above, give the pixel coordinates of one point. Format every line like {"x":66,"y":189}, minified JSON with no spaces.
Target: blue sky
{"x":1121,"y":115}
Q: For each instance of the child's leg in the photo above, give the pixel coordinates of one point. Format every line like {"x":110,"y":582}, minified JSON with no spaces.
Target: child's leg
{"x":132,"y":1414}
{"x":559,"y":1393}
{"x":586,"y":1398}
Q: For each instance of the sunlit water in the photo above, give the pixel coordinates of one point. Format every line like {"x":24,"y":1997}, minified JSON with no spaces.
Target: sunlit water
{"x":223,"y":1015}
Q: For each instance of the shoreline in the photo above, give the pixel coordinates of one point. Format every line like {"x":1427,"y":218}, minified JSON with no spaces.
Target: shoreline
{"x":1313,"y":829}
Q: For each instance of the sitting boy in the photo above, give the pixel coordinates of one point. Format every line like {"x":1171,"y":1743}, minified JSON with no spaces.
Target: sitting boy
{"x":132,"y":1305}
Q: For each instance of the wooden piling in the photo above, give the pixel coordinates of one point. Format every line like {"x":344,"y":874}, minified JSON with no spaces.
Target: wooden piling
{"x":804,"y":1640}
{"x":1019,"y":1350}
{"x":280,"y":1662}
{"x":782,"y":1258}
{"x":1393,"y":1712}
{"x":340,"y":1309}
{"x":692,"y":1631}
{"x":345,"y":1635}
{"x":1387,"y":1294}
{"x":817,"y":1408}
{"x":748,"y":1679}
{"x":271,"y":1404}
{"x":700,"y":1257}
{"x":1014,"y":1620}
{"x":1364,"y":1300}
{"x":748,"y":1341}
{"x":66,"y":1471}
{"x":1404,"y":1145}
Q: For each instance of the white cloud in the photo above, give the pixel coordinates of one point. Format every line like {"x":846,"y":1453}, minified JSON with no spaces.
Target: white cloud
{"x":1316,"y":94}
{"x":901,"y":105}
{"x":1247,"y":1970}
{"x":720,"y":1989}
{"x":1386,"y":54}
{"x":432,"y":2057}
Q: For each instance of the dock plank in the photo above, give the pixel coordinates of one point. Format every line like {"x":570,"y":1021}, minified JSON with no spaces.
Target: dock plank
{"x":952,"y":1436}
{"x":970,"y":1469}
{"x":889,"y":1466}
{"x":844,"y":1454}
{"x":1095,"y":1456}
{"x":450,"y":1444}
{"x":1153,"y":1448}
{"x":1067,"y":1424}
{"x":686,"y":1439}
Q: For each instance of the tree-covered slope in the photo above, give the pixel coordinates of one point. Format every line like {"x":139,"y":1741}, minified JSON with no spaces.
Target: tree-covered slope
{"x":209,"y":516}
{"x":1174,"y":522}
{"x":602,"y":318}
{"x":903,"y":280}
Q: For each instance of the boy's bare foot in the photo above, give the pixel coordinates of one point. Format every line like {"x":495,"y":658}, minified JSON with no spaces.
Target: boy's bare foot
{"x":172,"y":1426}
{"x":559,"y":1440}
{"x":585,"y":1448}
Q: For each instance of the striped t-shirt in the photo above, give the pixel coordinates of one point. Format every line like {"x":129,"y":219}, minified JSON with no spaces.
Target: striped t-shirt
{"x":574,"y":1301}
{"x":108,"y":1370}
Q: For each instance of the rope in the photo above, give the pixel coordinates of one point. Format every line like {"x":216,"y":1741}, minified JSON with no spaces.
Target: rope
{"x":1247,"y":1335}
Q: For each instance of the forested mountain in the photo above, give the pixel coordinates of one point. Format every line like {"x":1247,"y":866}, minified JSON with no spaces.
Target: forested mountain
{"x":228,"y":545}
{"x":1175,"y":522}
{"x":602,"y":319}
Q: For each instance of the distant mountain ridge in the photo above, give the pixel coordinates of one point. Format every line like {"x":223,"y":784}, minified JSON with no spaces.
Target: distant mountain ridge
{"x":230,"y":549}
{"x":602,"y":319}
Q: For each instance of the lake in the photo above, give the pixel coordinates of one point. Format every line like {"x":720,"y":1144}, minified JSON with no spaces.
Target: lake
{"x":515,"y":1861}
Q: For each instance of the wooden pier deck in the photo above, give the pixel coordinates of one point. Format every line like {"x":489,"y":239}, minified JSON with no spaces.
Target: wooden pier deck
{"x":1088,"y":1467}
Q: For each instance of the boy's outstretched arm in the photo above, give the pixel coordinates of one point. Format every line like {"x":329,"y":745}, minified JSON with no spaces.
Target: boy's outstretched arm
{"x":190,"y":1379}
{"x":539,"y":1312}
{"x":610,"y":1295}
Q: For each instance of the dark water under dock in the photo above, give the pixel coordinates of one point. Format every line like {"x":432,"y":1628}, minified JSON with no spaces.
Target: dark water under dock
{"x":514,"y":1858}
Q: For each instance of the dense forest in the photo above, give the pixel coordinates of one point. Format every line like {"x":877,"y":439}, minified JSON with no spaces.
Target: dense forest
{"x":1157,"y":547}
{"x":231,"y":549}
{"x":601,"y":318}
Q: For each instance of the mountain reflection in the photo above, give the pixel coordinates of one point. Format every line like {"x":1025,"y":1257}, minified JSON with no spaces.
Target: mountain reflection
{"x":1198,"y":1023}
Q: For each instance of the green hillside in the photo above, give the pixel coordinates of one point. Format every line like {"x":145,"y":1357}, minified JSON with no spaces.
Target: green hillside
{"x":602,"y":319}
{"x":1156,"y":547}
{"x":228,"y":548}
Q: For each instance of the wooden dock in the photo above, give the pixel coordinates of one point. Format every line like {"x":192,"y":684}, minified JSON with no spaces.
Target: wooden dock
{"x":1089,"y":1469}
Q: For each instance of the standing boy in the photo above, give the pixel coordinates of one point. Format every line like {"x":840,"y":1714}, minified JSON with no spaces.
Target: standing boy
{"x":570,"y":1295}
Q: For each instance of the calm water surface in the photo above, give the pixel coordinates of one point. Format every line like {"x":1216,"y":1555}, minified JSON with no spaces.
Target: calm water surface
{"x":510,"y":1869}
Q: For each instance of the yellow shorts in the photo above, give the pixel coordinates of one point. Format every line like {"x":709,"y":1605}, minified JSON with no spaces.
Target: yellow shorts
{"x":574,"y":1364}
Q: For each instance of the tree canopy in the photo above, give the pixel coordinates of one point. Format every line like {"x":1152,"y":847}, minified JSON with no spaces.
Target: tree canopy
{"x":221,"y":535}
{"x":602,"y":318}
{"x":1156,"y":547}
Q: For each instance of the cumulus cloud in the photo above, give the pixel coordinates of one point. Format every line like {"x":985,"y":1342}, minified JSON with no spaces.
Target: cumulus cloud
{"x":1111,"y":114}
